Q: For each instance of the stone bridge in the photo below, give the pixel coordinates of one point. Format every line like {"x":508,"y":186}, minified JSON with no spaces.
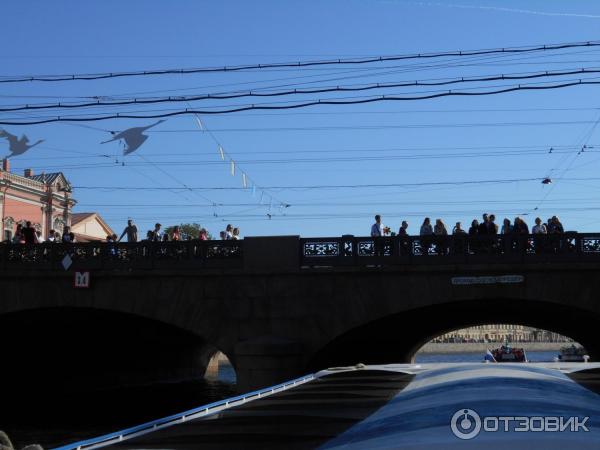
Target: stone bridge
{"x":278,"y":306}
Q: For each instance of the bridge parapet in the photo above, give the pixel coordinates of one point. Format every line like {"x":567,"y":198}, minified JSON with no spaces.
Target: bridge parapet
{"x":111,"y":256}
{"x":292,"y":253}
{"x":456,"y":249}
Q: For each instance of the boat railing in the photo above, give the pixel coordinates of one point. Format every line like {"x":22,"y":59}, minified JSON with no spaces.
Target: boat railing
{"x":192,"y":414}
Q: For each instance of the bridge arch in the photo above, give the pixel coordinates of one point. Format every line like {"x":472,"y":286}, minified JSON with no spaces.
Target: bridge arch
{"x":396,"y":337}
{"x":84,"y":348}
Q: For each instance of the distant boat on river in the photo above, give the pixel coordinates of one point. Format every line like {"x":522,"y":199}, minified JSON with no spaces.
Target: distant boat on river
{"x":573,"y":354}
{"x":506,"y":353}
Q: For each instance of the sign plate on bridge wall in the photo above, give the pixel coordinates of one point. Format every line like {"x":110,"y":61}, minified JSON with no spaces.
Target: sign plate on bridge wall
{"x":503,"y":279}
{"x":82,"y":280}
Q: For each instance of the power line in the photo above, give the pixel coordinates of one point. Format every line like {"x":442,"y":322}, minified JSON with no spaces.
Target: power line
{"x":327,"y":204}
{"x":367,"y":72}
{"x":299,"y":64}
{"x":340,"y":186}
{"x":342,"y":113}
{"x":159,"y":164}
{"x":583,"y":143}
{"x":477,"y":61}
{"x":424,"y":111}
{"x":361,"y":215}
{"x":520,"y":149}
{"x":303,"y":105}
{"x":390,"y":127}
{"x":317,"y":90}
{"x":24,"y":115}
{"x":310,"y":187}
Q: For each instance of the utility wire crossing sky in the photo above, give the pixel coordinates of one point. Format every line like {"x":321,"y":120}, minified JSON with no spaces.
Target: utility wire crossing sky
{"x":487,"y":121}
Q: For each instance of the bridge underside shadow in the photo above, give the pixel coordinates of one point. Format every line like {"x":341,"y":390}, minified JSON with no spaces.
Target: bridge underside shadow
{"x":397,"y":338}
{"x":83,"y":349}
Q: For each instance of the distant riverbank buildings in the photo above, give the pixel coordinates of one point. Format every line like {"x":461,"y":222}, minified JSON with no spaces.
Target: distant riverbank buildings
{"x":45,"y":200}
{"x":500,"y":332}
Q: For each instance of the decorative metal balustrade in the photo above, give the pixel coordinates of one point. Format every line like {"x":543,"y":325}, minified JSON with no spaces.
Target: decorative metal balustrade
{"x":351,"y":250}
{"x":314,"y":252}
{"x":141,"y":255}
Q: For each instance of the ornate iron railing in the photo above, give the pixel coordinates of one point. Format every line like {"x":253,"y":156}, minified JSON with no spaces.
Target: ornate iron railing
{"x":141,"y":255}
{"x":351,"y":250}
{"x":326,"y":252}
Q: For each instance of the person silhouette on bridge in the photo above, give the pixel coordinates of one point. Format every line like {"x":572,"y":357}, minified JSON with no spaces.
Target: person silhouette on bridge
{"x":377,"y":235}
{"x":484,"y":225}
{"x":131,"y":231}
{"x":29,"y":233}
{"x":404,"y":240}
{"x":377,"y":227}
{"x":402,"y":231}
{"x":426,"y":233}
{"x":156,"y":234}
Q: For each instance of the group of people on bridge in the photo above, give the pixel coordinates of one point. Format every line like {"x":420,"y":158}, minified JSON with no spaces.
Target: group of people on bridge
{"x":173,"y":234}
{"x":487,"y":226}
{"x":480,"y":234}
{"x":28,"y":234}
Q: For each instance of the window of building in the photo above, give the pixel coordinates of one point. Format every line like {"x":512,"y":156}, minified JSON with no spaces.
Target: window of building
{"x":59,"y":224}
{"x":9,"y":224}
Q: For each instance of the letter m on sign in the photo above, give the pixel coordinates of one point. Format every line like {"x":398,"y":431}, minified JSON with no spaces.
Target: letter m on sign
{"x":82,"y":280}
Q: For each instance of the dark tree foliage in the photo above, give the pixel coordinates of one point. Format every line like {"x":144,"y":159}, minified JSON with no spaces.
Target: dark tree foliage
{"x":187,"y":230}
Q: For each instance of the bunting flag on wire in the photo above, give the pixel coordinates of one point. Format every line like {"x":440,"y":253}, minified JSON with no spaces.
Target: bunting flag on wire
{"x":246,"y":180}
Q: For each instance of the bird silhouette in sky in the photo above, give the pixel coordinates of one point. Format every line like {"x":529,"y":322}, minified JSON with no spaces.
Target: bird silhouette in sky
{"x":132,"y":137}
{"x":15,"y":145}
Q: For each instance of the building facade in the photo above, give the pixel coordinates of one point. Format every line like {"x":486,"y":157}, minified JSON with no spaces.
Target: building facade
{"x":45,"y":200}
{"x":89,"y":227}
{"x":500,"y":332}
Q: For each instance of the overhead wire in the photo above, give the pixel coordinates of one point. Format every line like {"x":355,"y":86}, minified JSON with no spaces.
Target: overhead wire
{"x":476,"y":61}
{"x":341,"y":186}
{"x":348,"y":159}
{"x":583,"y":144}
{"x":487,"y":201}
{"x":362,"y":214}
{"x":401,"y":69}
{"x":338,"y":61}
{"x":81,"y":124}
{"x":317,"y":90}
{"x":319,"y":102}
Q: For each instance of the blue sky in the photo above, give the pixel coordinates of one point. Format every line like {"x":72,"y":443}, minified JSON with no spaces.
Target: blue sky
{"x":449,"y":139}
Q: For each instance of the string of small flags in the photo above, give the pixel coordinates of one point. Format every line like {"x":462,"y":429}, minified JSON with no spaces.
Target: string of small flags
{"x":266,"y":198}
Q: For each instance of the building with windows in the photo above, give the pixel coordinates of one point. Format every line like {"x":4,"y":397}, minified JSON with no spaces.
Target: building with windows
{"x":45,"y":200}
{"x":500,"y":332}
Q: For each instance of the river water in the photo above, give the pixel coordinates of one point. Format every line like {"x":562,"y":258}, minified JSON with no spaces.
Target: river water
{"x":57,"y":420}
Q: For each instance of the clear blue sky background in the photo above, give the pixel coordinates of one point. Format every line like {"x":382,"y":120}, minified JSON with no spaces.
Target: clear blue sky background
{"x":65,"y":37}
